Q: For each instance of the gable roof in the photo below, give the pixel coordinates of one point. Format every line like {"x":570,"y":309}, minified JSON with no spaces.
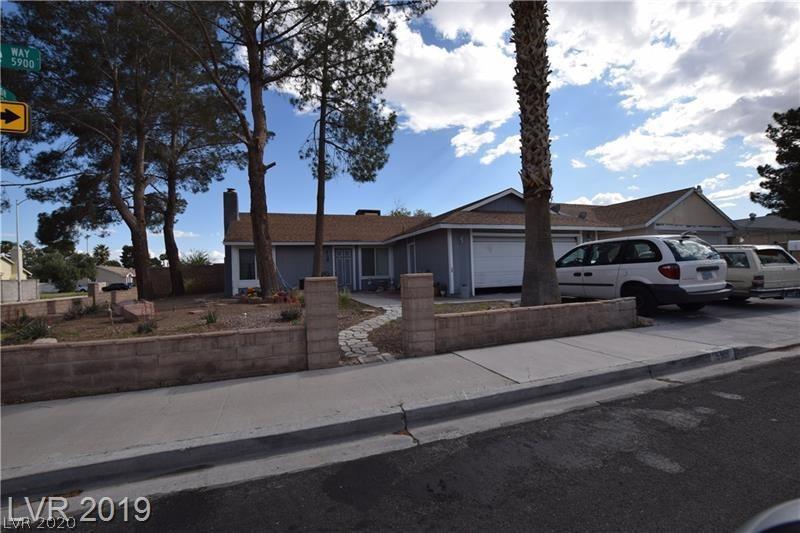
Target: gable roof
{"x":120,"y":271}
{"x":7,"y":258}
{"x":299,"y":228}
{"x":769,"y":222}
{"x":296,"y":227}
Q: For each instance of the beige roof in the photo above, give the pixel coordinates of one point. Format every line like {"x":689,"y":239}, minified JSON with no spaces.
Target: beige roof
{"x":121,"y":271}
{"x":290,"y":227}
{"x":286,"y":227}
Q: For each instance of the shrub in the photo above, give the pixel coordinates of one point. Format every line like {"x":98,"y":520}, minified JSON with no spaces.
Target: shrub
{"x":31,"y":329}
{"x":210,"y":317}
{"x":344,"y":298}
{"x":290,"y":314}
{"x":148,"y":326}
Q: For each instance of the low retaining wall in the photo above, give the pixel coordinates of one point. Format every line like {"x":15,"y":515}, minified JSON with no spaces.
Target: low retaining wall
{"x":50,"y":371}
{"x":460,"y":331}
{"x":52,"y":306}
{"x":59,"y":306}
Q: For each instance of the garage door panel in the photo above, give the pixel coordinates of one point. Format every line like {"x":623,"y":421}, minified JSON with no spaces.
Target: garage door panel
{"x":499,"y":261}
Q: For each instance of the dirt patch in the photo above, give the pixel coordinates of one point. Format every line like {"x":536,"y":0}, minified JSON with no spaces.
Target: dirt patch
{"x":388,"y":338}
{"x":175,"y":316}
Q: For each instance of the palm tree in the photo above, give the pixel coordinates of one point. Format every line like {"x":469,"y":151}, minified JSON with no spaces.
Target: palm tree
{"x":529,"y":34}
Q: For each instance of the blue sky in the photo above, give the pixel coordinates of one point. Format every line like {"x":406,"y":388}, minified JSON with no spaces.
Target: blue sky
{"x":645,"y":98}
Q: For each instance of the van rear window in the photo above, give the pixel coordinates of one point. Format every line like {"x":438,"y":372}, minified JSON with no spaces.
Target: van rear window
{"x":736,"y":259}
{"x":691,"y":249}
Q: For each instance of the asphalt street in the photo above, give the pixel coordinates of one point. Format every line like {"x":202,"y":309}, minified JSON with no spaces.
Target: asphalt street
{"x":698,"y":457}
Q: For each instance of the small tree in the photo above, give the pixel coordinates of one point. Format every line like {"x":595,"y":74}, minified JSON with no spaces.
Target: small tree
{"x":403,"y":211}
{"x":782,"y":183}
{"x":126,"y":257}
{"x":197,"y":257}
{"x":101,"y":254}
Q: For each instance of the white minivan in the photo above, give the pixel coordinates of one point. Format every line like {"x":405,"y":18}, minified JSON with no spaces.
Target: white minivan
{"x":655,"y":269}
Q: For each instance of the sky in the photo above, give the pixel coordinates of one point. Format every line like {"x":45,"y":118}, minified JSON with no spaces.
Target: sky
{"x":645,"y":98}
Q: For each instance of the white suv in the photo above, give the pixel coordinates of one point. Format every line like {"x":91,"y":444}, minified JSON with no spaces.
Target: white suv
{"x":655,"y":269}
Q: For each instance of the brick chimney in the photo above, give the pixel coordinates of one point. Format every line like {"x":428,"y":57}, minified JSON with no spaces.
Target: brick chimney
{"x":230,"y":208}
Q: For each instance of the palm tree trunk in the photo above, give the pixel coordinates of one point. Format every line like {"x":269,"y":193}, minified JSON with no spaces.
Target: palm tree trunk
{"x":529,"y":34}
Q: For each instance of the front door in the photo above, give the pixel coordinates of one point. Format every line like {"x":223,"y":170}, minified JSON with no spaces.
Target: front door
{"x":343,"y":267}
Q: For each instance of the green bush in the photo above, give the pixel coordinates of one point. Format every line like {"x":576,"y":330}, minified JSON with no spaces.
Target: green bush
{"x":344,"y":298}
{"x":290,"y":314}
{"x":211,"y":317}
{"x":31,"y":329}
{"x":148,"y":326}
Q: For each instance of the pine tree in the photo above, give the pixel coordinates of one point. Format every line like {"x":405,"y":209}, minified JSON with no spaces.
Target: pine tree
{"x":782,"y":183}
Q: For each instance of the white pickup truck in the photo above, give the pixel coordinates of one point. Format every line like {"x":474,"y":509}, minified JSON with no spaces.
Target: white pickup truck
{"x":760,"y":271}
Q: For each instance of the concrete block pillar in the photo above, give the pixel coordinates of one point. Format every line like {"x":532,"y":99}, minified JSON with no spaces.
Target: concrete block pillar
{"x":95,"y":291}
{"x":322,"y":329}
{"x":419,"y":327}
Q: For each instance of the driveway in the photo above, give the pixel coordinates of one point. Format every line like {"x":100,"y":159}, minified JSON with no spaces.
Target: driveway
{"x":751,"y":323}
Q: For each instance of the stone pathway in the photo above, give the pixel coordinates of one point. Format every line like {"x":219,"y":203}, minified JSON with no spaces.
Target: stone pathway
{"x":354,"y":343}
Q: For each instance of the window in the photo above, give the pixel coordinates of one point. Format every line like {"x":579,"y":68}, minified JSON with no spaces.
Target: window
{"x":641,"y":252}
{"x":736,"y":259}
{"x":606,"y":253}
{"x":691,"y":249}
{"x":574,"y":258}
{"x":773,"y":256}
{"x":374,"y":262}
{"x":247,"y":263}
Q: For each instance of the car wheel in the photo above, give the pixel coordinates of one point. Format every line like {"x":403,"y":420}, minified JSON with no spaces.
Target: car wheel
{"x":691,"y":307}
{"x":645,"y":301}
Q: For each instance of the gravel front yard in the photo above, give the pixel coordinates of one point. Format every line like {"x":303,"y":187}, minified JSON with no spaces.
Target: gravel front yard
{"x":189,"y":315}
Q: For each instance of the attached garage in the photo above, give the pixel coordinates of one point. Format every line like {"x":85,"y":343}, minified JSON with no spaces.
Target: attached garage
{"x":499,"y":259}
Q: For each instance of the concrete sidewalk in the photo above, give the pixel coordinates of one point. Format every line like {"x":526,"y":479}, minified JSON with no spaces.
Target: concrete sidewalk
{"x":55,"y":444}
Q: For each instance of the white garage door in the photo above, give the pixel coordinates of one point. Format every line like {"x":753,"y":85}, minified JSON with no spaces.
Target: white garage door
{"x":499,"y":260}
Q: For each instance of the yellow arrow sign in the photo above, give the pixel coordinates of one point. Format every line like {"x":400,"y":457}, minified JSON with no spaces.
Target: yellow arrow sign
{"x":14,"y":117}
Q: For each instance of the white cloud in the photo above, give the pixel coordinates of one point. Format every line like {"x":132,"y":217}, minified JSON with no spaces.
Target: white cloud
{"x":179,"y":234}
{"x":602,"y":198}
{"x":511,"y":145}
{"x":640,"y":148}
{"x":727,"y":204}
{"x":633,"y":188}
{"x":735,"y":193}
{"x":577,"y":163}
{"x":434,"y":88}
{"x":709,"y":184}
{"x":216,"y":256}
{"x":468,"y":142}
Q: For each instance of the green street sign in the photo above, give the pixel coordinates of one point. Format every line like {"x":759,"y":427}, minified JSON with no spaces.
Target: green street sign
{"x":5,"y":94}
{"x":20,"y":57}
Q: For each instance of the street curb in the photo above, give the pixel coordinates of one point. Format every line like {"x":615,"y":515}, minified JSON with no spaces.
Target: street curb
{"x":205,"y":453}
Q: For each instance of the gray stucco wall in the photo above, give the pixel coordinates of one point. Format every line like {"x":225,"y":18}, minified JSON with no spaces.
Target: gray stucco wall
{"x":432,"y":255}
{"x":505,"y":204}
{"x":228,"y":272}
{"x":294,"y":263}
{"x":461,"y":261}
{"x":400,"y":261}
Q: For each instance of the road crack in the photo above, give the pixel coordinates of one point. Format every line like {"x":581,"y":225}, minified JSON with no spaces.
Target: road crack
{"x":405,"y":431}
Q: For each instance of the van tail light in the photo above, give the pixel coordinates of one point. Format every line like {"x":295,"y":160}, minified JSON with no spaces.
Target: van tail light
{"x":671,"y":271}
{"x":758,"y":281}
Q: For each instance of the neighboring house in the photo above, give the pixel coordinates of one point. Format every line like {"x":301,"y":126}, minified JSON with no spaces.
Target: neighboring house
{"x":474,"y":247}
{"x":769,"y":229}
{"x":8,"y":268}
{"x":112,"y":274}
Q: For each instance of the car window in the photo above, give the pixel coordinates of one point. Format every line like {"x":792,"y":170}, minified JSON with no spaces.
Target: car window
{"x":736,"y":259}
{"x":773,"y":256}
{"x":605,"y":253}
{"x":641,"y":252}
{"x":573,"y":258}
{"x":691,"y":249}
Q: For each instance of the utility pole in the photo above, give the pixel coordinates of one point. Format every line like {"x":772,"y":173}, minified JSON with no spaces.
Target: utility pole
{"x":19,"y":255}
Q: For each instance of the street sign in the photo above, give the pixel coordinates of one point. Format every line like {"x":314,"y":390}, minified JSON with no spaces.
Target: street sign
{"x":20,"y":57}
{"x":14,"y":117}
{"x":5,"y":94}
